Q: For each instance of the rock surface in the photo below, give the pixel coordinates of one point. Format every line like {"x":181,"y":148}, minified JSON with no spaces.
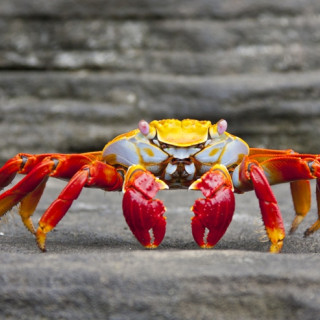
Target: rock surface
{"x":94,"y":268}
{"x":74,"y":75}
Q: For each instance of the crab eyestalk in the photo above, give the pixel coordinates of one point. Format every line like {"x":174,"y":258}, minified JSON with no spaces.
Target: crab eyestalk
{"x":222,"y":126}
{"x":218,"y":128}
{"x":144,"y":127}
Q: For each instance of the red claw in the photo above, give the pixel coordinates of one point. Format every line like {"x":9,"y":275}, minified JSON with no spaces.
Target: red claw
{"x":216,"y":210}
{"x":142,"y":213}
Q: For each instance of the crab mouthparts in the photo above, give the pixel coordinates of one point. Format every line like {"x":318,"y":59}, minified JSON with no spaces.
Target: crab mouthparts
{"x":180,"y":169}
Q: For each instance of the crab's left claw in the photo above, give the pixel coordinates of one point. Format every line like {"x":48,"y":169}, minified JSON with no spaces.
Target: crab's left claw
{"x":216,"y":210}
{"x":144,"y":215}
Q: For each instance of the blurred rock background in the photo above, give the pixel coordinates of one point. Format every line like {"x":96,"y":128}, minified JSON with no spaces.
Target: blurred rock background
{"x":73,"y":74}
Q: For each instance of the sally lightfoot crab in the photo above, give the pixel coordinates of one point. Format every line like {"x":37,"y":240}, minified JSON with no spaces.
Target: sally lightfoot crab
{"x":168,"y":154}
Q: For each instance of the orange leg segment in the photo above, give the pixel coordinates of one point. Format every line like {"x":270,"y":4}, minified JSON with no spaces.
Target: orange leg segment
{"x":301,"y":196}
{"x":29,"y":204}
{"x":316,"y":225}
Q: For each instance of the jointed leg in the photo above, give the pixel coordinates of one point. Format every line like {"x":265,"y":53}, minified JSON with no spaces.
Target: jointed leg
{"x":301,"y":196}
{"x":297,"y":168}
{"x":269,"y":207}
{"x":21,"y":163}
{"x":29,"y":204}
{"x":96,"y":174}
{"x":285,"y":166}
{"x":26,"y":186}
{"x":38,"y":168}
{"x":316,"y":225}
{"x":60,"y":206}
{"x":28,"y":190}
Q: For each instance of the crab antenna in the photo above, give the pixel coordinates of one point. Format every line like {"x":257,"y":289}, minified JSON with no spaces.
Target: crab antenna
{"x":222,"y":126}
{"x":144,"y":127}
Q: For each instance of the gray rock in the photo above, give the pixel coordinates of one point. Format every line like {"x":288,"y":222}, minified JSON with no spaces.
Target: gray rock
{"x":74,"y":75}
{"x":229,"y":9}
{"x":95,"y":268}
{"x":63,"y":112}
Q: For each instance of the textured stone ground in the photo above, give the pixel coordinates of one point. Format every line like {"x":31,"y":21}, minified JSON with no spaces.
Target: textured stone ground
{"x":94,"y":268}
{"x":75,"y":74}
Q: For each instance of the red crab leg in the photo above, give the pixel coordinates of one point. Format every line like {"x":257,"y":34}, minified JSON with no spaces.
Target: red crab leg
{"x":21,"y":163}
{"x":37,"y":169}
{"x":216,"y":210}
{"x":284,"y":166}
{"x":28,"y":184}
{"x":97,"y":174}
{"x":250,"y":174}
{"x":9,"y":170}
{"x":269,"y":207}
{"x":60,"y":206}
{"x":295,"y":167}
{"x":143,"y":213}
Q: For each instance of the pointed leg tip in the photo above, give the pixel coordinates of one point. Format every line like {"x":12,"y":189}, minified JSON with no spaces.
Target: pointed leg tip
{"x":307,"y":233}
{"x":41,"y":240}
{"x":276,"y":236}
{"x":292,"y":230}
{"x":295,"y":223}
{"x":312,"y":229}
{"x":29,"y":225}
{"x":43,"y":250}
{"x":276,"y":247}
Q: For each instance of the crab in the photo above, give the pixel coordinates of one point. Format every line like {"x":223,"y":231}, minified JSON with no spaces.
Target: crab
{"x":167,"y":154}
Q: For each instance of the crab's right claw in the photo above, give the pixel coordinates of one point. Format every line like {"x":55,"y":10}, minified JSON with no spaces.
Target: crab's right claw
{"x":144,"y":215}
{"x":214,"y":212}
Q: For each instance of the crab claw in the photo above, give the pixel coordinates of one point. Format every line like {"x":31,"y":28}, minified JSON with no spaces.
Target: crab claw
{"x":144,"y":215}
{"x":216,"y":210}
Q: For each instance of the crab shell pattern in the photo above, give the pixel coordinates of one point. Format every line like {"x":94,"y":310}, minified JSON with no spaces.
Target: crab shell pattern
{"x":167,"y":154}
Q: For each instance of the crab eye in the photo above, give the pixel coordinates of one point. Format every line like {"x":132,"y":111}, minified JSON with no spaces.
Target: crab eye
{"x":144,"y":127}
{"x":218,"y":129}
{"x":222,"y":126}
